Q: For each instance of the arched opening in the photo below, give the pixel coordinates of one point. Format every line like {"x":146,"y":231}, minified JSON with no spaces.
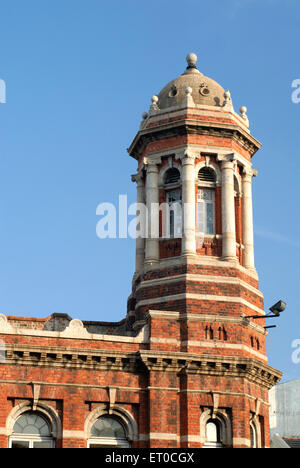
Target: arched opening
{"x":213,"y":434}
{"x":207,"y":175}
{"x":108,"y":431}
{"x":31,"y":430}
{"x":172,"y":176}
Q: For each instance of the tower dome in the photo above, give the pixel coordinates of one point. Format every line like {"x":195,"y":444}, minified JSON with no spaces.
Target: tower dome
{"x":205,"y":91}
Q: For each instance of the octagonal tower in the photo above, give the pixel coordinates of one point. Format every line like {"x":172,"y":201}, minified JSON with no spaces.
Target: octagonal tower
{"x":196,"y":282}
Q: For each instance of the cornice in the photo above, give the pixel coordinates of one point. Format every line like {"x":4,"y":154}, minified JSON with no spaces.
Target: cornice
{"x":189,"y":126}
{"x":142,"y":361}
{"x":205,"y":364}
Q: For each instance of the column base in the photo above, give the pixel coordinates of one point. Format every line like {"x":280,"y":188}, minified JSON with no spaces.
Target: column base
{"x":188,"y":254}
{"x":230,"y":259}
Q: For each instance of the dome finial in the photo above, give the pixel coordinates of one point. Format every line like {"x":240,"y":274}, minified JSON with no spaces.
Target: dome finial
{"x":191,"y":60}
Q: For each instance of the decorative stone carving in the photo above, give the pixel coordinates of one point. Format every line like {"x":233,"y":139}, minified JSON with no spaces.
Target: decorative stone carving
{"x":75,"y":329}
{"x":5,"y":326}
{"x":243,"y":111}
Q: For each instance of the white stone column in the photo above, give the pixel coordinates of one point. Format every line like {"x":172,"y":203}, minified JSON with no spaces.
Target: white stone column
{"x":188,"y":204}
{"x":248,"y":238}
{"x":228,"y":210}
{"x":152,"y":203}
{"x":140,"y":241}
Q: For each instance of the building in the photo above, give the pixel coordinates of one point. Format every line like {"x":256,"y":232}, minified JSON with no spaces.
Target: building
{"x":285,"y":415}
{"x":186,"y":367}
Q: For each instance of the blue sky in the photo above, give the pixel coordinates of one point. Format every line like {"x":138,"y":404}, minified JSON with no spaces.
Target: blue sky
{"x":79,"y":74}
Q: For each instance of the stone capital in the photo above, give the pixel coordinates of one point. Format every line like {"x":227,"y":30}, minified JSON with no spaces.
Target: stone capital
{"x":186,"y":157}
{"x":138,"y":178}
{"x":230,"y":157}
{"x":248,"y":173}
{"x":151,"y":164}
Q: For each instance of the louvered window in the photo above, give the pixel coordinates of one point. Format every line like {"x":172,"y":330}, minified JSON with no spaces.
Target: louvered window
{"x":172,"y":176}
{"x":207,"y":175}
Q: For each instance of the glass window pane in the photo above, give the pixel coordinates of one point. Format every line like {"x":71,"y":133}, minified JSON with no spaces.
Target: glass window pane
{"x":19,"y":444}
{"x":200,"y":217}
{"x":108,"y":427}
{"x":45,"y":445}
{"x":171,"y":223}
{"x":209,"y":218}
{"x":32,"y":423}
{"x":211,"y":432}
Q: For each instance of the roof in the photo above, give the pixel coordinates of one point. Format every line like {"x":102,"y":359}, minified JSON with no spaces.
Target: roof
{"x":204,"y":90}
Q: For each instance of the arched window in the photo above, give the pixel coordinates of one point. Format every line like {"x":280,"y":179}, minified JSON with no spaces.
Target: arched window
{"x":207,"y":175}
{"x":206,"y":201}
{"x":31,"y":430}
{"x":172,"y":176}
{"x":173,"y":228}
{"x":108,"y":431}
{"x":213,"y":434}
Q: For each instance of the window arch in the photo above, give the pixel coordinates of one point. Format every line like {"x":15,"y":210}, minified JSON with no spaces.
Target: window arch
{"x":213,"y":434}
{"x":172,"y":176}
{"x":255,"y":432}
{"x":207,"y":175}
{"x":108,"y":431}
{"x":215,"y":428}
{"x":110,"y":428}
{"x":31,"y":430}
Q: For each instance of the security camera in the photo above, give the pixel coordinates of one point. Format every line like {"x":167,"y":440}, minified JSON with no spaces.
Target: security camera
{"x":277,"y":308}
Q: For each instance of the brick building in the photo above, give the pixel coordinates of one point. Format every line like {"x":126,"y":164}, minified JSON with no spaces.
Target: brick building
{"x":186,"y":367}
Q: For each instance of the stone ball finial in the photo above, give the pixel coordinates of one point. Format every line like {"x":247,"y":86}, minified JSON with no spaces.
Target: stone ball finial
{"x":243,"y":111}
{"x":227,"y":94}
{"x":154,"y":106}
{"x":191,"y":59}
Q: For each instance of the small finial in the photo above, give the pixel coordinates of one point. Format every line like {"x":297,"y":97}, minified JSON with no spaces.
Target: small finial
{"x":243,"y":111}
{"x":227,"y":94}
{"x":191,"y":60}
{"x":227,"y":104}
{"x":154,"y":105}
{"x":189,"y":101}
